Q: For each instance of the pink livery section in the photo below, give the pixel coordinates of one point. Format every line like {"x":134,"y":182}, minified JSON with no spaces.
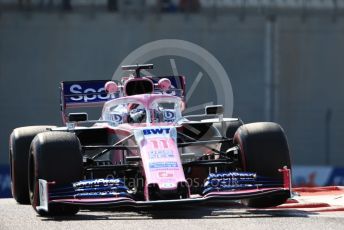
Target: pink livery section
{"x":161,"y":161}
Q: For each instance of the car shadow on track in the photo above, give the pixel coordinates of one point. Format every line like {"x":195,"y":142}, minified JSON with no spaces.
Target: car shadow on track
{"x":181,"y":212}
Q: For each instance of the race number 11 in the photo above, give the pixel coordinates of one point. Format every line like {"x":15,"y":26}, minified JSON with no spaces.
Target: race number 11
{"x":159,"y":144}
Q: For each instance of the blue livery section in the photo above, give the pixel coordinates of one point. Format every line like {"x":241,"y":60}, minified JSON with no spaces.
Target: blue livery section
{"x":337,"y":177}
{"x":155,"y":131}
{"x":92,"y":92}
{"x":84,"y":92}
{"x":96,"y":188}
{"x":5,"y":181}
{"x":163,"y":165}
{"x":169,"y":115}
{"x":228,"y":181}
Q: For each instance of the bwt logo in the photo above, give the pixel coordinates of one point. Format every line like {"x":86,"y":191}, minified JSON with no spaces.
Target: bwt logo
{"x":77,"y":89}
{"x":156,"y":131}
{"x":116,"y":118}
{"x":169,"y":115}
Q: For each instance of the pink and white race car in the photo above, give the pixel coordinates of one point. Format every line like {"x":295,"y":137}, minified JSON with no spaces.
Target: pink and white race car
{"x":143,"y":152}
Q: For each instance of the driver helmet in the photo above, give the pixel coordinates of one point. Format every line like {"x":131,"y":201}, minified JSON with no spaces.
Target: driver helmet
{"x":137,"y":113}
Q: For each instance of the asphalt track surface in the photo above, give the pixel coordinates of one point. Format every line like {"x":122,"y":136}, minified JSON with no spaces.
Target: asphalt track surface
{"x":211,"y":216}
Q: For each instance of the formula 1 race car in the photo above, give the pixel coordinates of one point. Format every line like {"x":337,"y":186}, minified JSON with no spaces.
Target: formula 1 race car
{"x":143,"y":152}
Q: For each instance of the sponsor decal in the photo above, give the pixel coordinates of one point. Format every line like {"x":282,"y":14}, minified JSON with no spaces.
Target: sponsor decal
{"x":158,"y":154}
{"x":94,"y":91}
{"x":159,"y":137}
{"x":98,"y":182}
{"x":86,"y":92}
{"x":156,"y":131}
{"x":169,"y":116}
{"x":117,"y":118}
{"x":163,"y":165}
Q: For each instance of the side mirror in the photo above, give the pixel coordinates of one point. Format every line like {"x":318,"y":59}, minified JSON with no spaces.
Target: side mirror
{"x":214,"y":110}
{"x":75,"y":117}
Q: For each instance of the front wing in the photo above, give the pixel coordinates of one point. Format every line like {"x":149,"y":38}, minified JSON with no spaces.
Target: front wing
{"x":111,"y":202}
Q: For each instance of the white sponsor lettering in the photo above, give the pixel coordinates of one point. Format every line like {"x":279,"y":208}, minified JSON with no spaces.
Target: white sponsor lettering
{"x":77,"y":89}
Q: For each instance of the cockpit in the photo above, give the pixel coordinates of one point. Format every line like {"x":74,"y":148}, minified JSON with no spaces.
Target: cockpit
{"x":144,"y":108}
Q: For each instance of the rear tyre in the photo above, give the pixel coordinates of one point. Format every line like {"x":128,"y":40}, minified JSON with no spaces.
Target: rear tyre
{"x":54,"y":156}
{"x":19,"y":147}
{"x":264,"y":150}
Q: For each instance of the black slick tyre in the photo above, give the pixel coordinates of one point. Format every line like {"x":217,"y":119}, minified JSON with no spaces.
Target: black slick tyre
{"x":19,"y":146}
{"x":264,"y":150}
{"x":54,"y":156}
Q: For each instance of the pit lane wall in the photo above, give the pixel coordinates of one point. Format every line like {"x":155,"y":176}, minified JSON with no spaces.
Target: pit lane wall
{"x":309,"y":176}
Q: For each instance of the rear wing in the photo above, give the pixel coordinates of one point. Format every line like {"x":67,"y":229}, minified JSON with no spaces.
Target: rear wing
{"x":85,"y":94}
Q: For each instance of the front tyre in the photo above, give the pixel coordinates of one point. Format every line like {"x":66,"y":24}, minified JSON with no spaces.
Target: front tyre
{"x":20,"y":141}
{"x":264,"y":150}
{"x":54,"y":156}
